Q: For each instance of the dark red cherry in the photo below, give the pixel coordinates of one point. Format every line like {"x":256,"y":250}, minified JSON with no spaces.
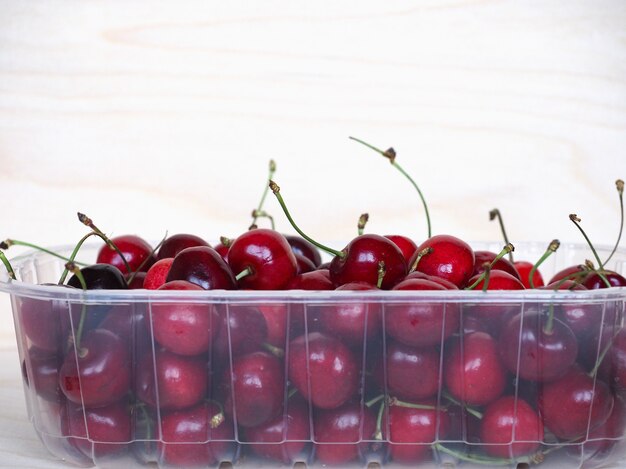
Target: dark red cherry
{"x":301,"y":246}
{"x":361,"y":262}
{"x":510,"y":428}
{"x":184,"y":327}
{"x":266,"y":257}
{"x":100,"y":277}
{"x":412,"y":431}
{"x":451,"y":258}
{"x":352,"y":321}
{"x":284,"y":437}
{"x":99,"y":432}
{"x":304,"y":264}
{"x":574,"y":272}
{"x":524,"y":268}
{"x":421,"y":323}
{"x":129,"y":324}
{"x":406,"y":245}
{"x":157,"y":274}
{"x":40,"y":321}
{"x":254,"y":389}
{"x":412,"y":373}
{"x":482,"y":257}
{"x":98,"y":373}
{"x":180,"y":381}
{"x":536,"y":348}
{"x":223,"y":249}
{"x":351,"y":424}
{"x":136,"y":280}
{"x":136,"y":251}
{"x":323,"y":369}
{"x":473,"y":372}
{"x":176,"y":243}
{"x":203,"y":266}
{"x":316,"y":280}
{"x":581,"y":317}
{"x":574,"y":404}
{"x":242,"y":330}
{"x":448,"y":285}
{"x":593,"y":281}
{"x":42,"y":373}
{"x":276,"y":318}
{"x":197,"y":436}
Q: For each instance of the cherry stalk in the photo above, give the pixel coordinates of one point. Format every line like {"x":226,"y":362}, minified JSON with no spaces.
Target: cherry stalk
{"x":493,"y":214}
{"x":552,"y":247}
{"x":620,"y":191}
{"x":507,"y":249}
{"x":7,"y":243}
{"x":258,"y":212}
{"x":576,"y":221}
{"x":85,"y":220}
{"x":7,"y":264}
{"x":363,"y":219}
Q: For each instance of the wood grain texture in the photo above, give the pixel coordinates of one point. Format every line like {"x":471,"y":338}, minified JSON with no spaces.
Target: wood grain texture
{"x":162,"y":115}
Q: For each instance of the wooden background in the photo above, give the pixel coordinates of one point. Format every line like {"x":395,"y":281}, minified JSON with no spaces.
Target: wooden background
{"x":163,"y":115}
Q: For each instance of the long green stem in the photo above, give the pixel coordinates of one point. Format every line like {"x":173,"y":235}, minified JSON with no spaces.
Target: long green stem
{"x":378,"y":435}
{"x":75,"y":253}
{"x":71,"y":267}
{"x":16,"y":242}
{"x":493,"y":214}
{"x":255,"y":214}
{"x":508,"y":248}
{"x":574,"y":218}
{"x":85,"y":220}
{"x":276,"y":190}
{"x":8,"y":266}
{"x":552,"y":247}
{"x":620,"y":190}
{"x":391,"y":155}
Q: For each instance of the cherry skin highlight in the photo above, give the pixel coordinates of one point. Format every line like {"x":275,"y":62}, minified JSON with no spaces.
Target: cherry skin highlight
{"x":135,"y":250}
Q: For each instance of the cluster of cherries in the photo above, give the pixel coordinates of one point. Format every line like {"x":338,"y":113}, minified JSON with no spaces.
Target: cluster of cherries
{"x":192,"y":382}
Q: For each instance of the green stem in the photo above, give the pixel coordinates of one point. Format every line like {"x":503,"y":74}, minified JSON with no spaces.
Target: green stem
{"x":244,"y":273}
{"x":373,"y":401}
{"x":71,"y":267}
{"x":391,"y":155}
{"x":620,"y":190}
{"x":147,"y":419}
{"x":574,"y":218}
{"x":276,"y":190}
{"x":276,"y":351}
{"x":272,"y":170}
{"x":594,"y":371}
{"x":363,"y":219}
{"x":420,"y":254}
{"x":549,"y":326}
{"x":85,"y":220}
{"x":382,"y":270}
{"x":552,"y":247}
{"x":495,"y":213}
{"x":17,"y":242}
{"x":75,"y":253}
{"x":508,"y":248}
{"x":393,"y":401}
{"x":580,"y":273}
{"x":468,"y":409}
{"x":487,"y":273}
{"x":8,"y":266}
{"x":261,"y":214}
{"x":378,"y":435}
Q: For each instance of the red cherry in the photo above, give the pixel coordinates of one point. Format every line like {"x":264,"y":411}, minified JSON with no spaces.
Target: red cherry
{"x":593,"y":281}
{"x":176,"y":243}
{"x":157,"y":274}
{"x":136,"y":280}
{"x":316,"y":280}
{"x":183,"y":327}
{"x":266,"y":257}
{"x":243,"y":330}
{"x":198,"y":436}
{"x":98,"y":373}
{"x":567,"y":272}
{"x":406,"y":245}
{"x":536,"y":348}
{"x":473,"y":372}
{"x":510,"y":428}
{"x":448,"y":285}
{"x":323,"y":369}
{"x":524,"y":268}
{"x":361,"y":262}
{"x":129,"y":324}
{"x":574,"y":404}
{"x":301,"y":246}
{"x":254,"y":389}
{"x":203,"y":266}
{"x":135,"y":251}
{"x":180,"y":382}
{"x":40,"y":321}
{"x":482,"y":257}
{"x":451,"y":259}
{"x":42,"y":373}
{"x":421,"y":323}
{"x":284,"y":437}
{"x":412,"y":431}
{"x":341,"y":435}
{"x":498,"y":280}
{"x":304,"y":264}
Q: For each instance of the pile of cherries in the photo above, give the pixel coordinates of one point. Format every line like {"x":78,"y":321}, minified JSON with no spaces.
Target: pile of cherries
{"x":332,"y":379}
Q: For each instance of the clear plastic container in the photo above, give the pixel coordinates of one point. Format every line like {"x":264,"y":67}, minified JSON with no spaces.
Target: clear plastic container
{"x":343,"y":379}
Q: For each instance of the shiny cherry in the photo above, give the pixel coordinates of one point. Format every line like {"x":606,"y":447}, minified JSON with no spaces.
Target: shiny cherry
{"x":135,"y":250}
{"x":157,"y":274}
{"x":451,"y":258}
{"x":482,"y":257}
{"x":524,"y":268}
{"x":100,"y":277}
{"x":203,"y":266}
{"x":406,"y":245}
{"x":593,"y":281}
{"x":176,"y":243}
{"x":301,"y":246}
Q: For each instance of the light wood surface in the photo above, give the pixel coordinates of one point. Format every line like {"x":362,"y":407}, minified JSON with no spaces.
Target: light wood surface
{"x":163,"y":115}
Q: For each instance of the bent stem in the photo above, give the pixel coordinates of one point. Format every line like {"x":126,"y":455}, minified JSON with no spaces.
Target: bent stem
{"x":276,"y":190}
{"x":75,"y":253}
{"x":420,"y":254}
{"x":468,"y":409}
{"x":390,"y":154}
{"x":493,"y":214}
{"x":7,"y":243}
{"x":261,"y":214}
{"x":72,"y":267}
{"x":620,"y":191}
{"x":552,"y":247}
{"x":576,"y":221}
{"x":508,"y":248}
{"x":8,"y":266}
{"x":85,"y":220}
{"x":363,"y":219}
{"x":255,"y":213}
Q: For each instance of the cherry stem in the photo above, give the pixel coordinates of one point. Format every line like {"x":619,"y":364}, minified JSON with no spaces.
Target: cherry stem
{"x":8,"y":266}
{"x":132,"y":276}
{"x":276,"y":190}
{"x":549,"y":326}
{"x":261,"y":214}
{"x":574,"y":218}
{"x":552,"y":247}
{"x":276,"y":351}
{"x":487,"y":273}
{"x":483,"y":460}
{"x":226,"y":242}
{"x":620,"y":191}
{"x":594,"y":371}
{"x":508,"y":248}
{"x":493,"y":214}
{"x":378,"y":435}
{"x":218,"y":418}
{"x":292,"y":392}
{"x":390,"y":154}
{"x":420,"y":254}
{"x":244,"y":273}
{"x":395,"y":401}
{"x":72,"y":267}
{"x":468,"y":409}
{"x":580,"y":273}
{"x":382,"y":271}
{"x":256,"y":213}
{"x":363,"y":219}
{"x":7,"y":243}
{"x":373,"y":401}
{"x":75,"y":253}
{"x":85,"y":220}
